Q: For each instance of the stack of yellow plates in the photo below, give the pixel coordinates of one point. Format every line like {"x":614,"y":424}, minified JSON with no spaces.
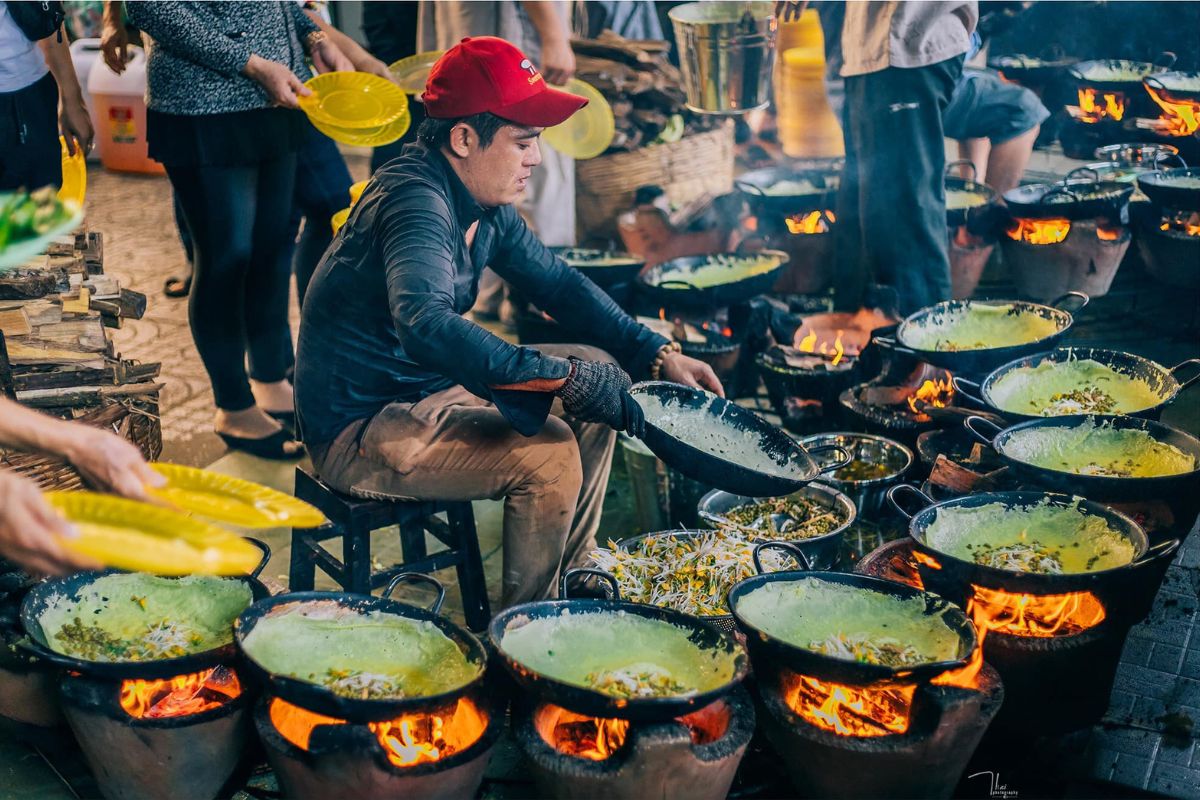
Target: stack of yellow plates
{"x":589,"y":131}
{"x":339,"y":219}
{"x":74,"y":175}
{"x":412,"y":72}
{"x":232,"y":500}
{"x":357,"y":189}
{"x":126,"y":534}
{"x":357,"y":108}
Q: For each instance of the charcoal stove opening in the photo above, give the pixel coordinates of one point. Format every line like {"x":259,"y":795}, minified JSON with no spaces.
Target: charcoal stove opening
{"x":183,"y":700}
{"x":596,"y":739}
{"x":903,"y":409}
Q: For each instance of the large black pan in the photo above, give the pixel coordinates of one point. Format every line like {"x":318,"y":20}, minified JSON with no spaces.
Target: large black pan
{"x":1071,"y":198}
{"x":1163,"y":187}
{"x":1162,"y":380}
{"x":956,"y":217}
{"x":823,"y":173}
{"x":766,"y":651}
{"x":667,"y":284}
{"x":1094,"y":487}
{"x":1175,"y":86}
{"x":1090,"y":74}
{"x":583,"y":700}
{"x":1033,"y":71}
{"x":603,"y":275}
{"x":324,"y":701}
{"x":978,"y":362}
{"x":40,"y":596}
{"x":954,"y":577}
{"x":721,"y":473}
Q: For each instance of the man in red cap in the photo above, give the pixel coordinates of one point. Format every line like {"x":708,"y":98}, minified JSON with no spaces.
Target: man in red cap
{"x":399,"y":395}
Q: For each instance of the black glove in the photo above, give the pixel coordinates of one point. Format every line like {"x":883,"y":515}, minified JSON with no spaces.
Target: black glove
{"x":597,"y":391}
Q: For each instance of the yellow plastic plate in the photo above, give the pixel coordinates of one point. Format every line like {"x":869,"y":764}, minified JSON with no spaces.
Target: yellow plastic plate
{"x":74,"y":174}
{"x":589,"y":131}
{"x":339,"y":219}
{"x":412,"y":72}
{"x":367,"y":137}
{"x":356,"y":190}
{"x":232,"y":500}
{"x":353,"y":100}
{"x":126,"y":534}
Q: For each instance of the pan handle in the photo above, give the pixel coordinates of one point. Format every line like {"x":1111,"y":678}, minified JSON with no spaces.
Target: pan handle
{"x":785,"y":547}
{"x":1155,"y":552}
{"x":890,"y":343}
{"x":970,"y":422}
{"x":614,"y":591}
{"x":1086,"y":172}
{"x":960,"y":385}
{"x":749,"y":188}
{"x":1166,"y":59}
{"x":1081,"y":297}
{"x":962,"y":162}
{"x":266,"y":551}
{"x":843,"y":457}
{"x":1154,"y":83}
{"x":676,"y":282}
{"x":906,"y":488}
{"x":418,"y":577}
{"x":1057,"y":190}
{"x":1162,"y":156}
{"x":1184,"y":384}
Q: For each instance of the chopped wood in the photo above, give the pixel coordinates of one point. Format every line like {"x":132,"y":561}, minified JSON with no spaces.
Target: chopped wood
{"x":120,"y":371}
{"x":74,"y":396}
{"x":127,"y":305}
{"x":26,"y":284}
{"x":6,"y":373}
{"x":885,"y":395}
{"x":962,"y":480}
{"x":15,"y":322}
{"x":80,"y":304}
{"x":103,"y":286}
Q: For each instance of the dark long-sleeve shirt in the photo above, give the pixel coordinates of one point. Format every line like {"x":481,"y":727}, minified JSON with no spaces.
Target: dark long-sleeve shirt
{"x":383,"y":317}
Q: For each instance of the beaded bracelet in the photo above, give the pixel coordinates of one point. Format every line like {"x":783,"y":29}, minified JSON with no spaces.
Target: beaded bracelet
{"x":656,"y":367}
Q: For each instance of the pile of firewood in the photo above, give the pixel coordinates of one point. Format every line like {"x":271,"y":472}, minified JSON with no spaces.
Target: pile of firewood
{"x":644,"y":89}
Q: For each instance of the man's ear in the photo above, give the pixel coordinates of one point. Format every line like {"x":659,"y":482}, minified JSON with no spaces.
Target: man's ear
{"x":462,"y":139}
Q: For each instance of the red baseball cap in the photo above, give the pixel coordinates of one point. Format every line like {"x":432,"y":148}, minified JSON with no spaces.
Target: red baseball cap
{"x":485,"y":73}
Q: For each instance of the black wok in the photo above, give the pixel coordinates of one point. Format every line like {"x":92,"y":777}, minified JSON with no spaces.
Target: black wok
{"x":721,"y":473}
{"x":956,"y":217}
{"x":583,"y":700}
{"x":1071,"y":198}
{"x":40,"y":597}
{"x":977,"y":362}
{"x":667,"y":284}
{"x":1095,"y":487}
{"x":1162,"y":187}
{"x":953,"y":577}
{"x":822,"y":551}
{"x":1135,"y":154}
{"x":324,"y":701}
{"x":1162,"y":380}
{"x":1033,"y":71}
{"x":603,"y":275}
{"x":766,"y":651}
{"x":1175,"y":86}
{"x":1089,"y":74}
{"x":823,"y":173}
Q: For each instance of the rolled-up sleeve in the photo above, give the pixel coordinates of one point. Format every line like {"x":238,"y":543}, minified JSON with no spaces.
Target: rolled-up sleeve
{"x":565,"y":293}
{"x":415,"y":241}
{"x":191,"y":31}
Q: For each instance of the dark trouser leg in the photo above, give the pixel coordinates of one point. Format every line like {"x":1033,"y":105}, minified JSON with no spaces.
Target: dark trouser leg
{"x":30,"y":155}
{"x":218,"y":205}
{"x":322,"y":189}
{"x":894,"y":119}
{"x":852,"y":272}
{"x":265,"y":313}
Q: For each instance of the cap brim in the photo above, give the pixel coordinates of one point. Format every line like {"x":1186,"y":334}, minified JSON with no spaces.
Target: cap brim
{"x":545,"y":109}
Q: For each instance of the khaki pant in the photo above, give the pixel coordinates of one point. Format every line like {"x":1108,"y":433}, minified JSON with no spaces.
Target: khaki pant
{"x":453,"y":445}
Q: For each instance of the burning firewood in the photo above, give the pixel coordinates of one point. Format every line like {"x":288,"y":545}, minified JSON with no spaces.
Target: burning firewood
{"x":961,"y":480}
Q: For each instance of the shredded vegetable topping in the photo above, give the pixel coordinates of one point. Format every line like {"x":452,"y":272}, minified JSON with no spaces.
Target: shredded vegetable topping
{"x":633,"y":682}
{"x":860,"y":647}
{"x":1088,"y":400}
{"x":805,"y":519}
{"x":690,"y":573}
{"x":362,"y":685}
{"x":1023,"y":556}
{"x":162,"y":639}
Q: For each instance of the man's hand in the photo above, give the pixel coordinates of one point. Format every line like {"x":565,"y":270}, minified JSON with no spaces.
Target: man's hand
{"x":76,"y":125}
{"x":111,"y":463}
{"x":678,"y":368}
{"x":114,"y":44}
{"x":373,"y":66}
{"x":597,"y":391}
{"x":30,"y":529}
{"x":280,"y":83}
{"x":327,"y":57}
{"x":558,"y":61}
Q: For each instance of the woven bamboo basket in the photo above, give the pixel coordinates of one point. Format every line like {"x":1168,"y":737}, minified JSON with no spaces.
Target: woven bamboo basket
{"x":134,"y":420}
{"x":686,"y":170}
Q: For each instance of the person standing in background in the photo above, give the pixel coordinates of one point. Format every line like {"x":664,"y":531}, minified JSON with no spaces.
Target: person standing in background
{"x":541,"y":30}
{"x":37,"y":78}
{"x":391,"y":30}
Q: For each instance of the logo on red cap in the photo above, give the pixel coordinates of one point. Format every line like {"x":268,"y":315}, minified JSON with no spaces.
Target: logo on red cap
{"x":534,"y":75}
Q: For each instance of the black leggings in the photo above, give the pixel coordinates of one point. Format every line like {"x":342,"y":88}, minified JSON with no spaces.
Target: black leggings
{"x":238,"y":220}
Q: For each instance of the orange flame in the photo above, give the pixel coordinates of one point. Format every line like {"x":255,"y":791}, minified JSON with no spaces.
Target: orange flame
{"x":1182,"y":117}
{"x":1111,"y":105}
{"x":966,"y":676}
{"x":1183,"y":223}
{"x":937,"y":393}
{"x":581,"y":736}
{"x":1034,"y":615}
{"x":1106,"y":234}
{"x":879,"y":709}
{"x":809,"y":344}
{"x":812,"y":222}
{"x":1039,"y":231}
{"x":180,"y":696}
{"x":407,"y":740}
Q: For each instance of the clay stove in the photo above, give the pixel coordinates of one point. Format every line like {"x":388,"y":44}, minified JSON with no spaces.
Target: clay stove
{"x":804,"y":378}
{"x":436,"y":753}
{"x":878,"y":740}
{"x":899,"y":405}
{"x":180,"y":737}
{"x":575,"y":756}
{"x":1050,"y":257}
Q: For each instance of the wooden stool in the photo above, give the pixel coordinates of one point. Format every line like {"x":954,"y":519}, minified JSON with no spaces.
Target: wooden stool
{"x":353,"y":519}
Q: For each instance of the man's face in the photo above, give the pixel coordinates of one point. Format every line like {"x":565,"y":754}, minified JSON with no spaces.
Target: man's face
{"x":496,"y":175}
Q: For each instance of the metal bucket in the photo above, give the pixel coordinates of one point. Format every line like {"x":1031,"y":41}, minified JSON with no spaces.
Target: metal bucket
{"x":727,"y":53}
